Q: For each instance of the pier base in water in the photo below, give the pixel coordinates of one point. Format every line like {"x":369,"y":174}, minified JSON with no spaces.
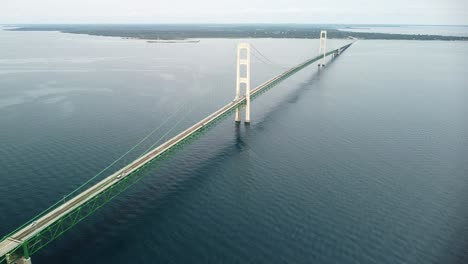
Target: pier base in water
{"x":22,"y":260}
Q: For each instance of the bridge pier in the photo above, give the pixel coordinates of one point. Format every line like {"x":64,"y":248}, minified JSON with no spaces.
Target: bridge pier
{"x":243,"y":77}
{"x":22,"y":260}
{"x":337,"y":53}
{"x":13,"y":259}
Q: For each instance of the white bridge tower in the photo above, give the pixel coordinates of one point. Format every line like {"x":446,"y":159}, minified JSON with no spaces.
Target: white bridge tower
{"x":323,"y":47}
{"x":243,"y":77}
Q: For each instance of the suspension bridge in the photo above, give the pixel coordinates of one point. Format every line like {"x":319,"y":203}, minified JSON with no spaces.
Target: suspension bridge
{"x":18,"y":246}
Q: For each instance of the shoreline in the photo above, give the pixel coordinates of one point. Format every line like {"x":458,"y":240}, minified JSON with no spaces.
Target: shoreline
{"x":192,"y":34}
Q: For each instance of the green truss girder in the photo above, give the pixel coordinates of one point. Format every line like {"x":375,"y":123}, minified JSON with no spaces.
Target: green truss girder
{"x":66,"y":222}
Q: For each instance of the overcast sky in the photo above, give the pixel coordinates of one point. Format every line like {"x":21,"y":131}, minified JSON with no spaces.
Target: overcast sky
{"x":452,"y":12}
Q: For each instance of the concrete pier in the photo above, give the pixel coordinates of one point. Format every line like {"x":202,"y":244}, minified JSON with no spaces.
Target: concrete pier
{"x":21,"y":260}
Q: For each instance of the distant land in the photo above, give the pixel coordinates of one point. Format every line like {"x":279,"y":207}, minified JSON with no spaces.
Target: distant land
{"x":197,"y":31}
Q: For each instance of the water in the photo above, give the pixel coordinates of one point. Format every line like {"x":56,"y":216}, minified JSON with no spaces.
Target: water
{"x":363,"y":162}
{"x":459,"y":31}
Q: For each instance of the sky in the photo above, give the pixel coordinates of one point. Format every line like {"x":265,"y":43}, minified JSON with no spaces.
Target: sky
{"x":430,"y":12}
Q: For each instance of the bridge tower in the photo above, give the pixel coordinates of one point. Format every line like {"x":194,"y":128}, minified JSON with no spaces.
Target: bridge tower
{"x":323,"y":47}
{"x":243,"y":78}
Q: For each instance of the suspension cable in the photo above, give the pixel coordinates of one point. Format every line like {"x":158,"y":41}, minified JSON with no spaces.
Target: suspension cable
{"x":101,"y":172}
{"x":260,"y":59}
{"x":267,"y":63}
{"x":265,"y":59}
{"x":169,"y":131}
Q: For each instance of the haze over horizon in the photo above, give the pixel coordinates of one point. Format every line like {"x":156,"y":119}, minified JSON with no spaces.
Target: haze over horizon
{"x":418,"y":12}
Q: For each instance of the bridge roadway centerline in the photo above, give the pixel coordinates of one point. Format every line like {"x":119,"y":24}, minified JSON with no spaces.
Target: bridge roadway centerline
{"x":10,"y":243}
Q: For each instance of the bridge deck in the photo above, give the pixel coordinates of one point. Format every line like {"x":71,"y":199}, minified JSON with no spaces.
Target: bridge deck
{"x":13,"y":241}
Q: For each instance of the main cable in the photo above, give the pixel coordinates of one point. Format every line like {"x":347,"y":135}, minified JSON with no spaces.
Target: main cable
{"x":101,"y":172}
{"x":268,"y":61}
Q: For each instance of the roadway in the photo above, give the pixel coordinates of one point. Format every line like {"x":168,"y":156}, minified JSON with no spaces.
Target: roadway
{"x":10,"y":243}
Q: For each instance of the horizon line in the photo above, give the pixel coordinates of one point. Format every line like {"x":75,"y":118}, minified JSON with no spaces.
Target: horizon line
{"x":220,"y":23}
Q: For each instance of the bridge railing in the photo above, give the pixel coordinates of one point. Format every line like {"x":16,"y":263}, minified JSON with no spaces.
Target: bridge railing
{"x":57,"y":228}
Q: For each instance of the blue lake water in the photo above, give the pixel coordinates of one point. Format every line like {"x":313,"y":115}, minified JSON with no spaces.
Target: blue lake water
{"x":362,"y":162}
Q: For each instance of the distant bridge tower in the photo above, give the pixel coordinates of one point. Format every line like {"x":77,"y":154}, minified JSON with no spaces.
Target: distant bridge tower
{"x":243,"y":77}
{"x":323,"y":47}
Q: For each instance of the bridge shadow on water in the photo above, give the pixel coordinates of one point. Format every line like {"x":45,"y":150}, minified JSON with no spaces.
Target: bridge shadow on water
{"x":169,"y":184}
{"x":294,"y":96}
{"x":161,"y":188}
{"x":172,"y":183}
